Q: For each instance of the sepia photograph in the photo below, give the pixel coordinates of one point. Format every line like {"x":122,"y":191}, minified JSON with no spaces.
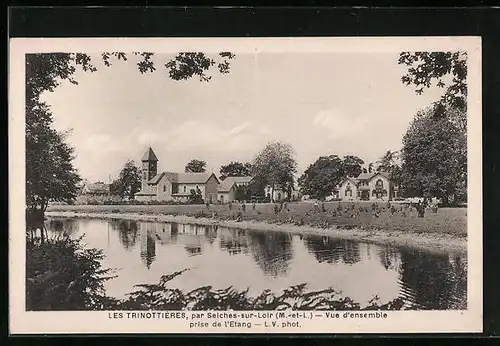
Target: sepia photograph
{"x":224,"y":176}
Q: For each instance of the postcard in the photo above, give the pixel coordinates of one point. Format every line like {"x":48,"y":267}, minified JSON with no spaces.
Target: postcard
{"x":245,"y":185}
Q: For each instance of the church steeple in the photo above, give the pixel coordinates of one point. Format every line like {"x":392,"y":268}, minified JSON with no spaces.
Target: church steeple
{"x":149,"y":167}
{"x":149,"y":155}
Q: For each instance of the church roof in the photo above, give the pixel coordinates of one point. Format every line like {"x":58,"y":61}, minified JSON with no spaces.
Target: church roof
{"x":182,"y":178}
{"x":228,"y":183}
{"x":149,"y":155}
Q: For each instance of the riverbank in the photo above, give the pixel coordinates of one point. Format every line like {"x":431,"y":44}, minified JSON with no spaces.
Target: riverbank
{"x":397,"y":235}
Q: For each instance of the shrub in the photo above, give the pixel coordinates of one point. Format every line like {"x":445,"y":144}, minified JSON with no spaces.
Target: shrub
{"x":63,"y":275}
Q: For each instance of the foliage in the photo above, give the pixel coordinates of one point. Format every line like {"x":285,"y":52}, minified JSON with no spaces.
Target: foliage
{"x":445,"y":69}
{"x":129,"y":181}
{"x":352,"y":166}
{"x":195,"y":197}
{"x":235,"y":169}
{"x":161,"y":297}
{"x":275,"y":165}
{"x":50,"y":175}
{"x":434,"y":155}
{"x":50,"y":171}
{"x":241,"y":193}
{"x":61,"y":274}
{"x":196,"y":166}
{"x":388,"y":163}
{"x":322,"y":177}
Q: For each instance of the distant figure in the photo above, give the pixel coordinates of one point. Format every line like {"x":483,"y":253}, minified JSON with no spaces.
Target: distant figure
{"x":276,"y":209}
{"x":420,"y":209}
{"x":208,"y":205}
{"x":230,"y":205}
{"x":339,"y":207}
{"x":323,"y":207}
{"x":316,"y":206}
{"x":284,"y":206}
{"x":243,"y":207}
{"x":253,"y":206}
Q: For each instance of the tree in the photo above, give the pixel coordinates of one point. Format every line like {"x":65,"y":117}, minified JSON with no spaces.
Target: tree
{"x":352,"y":166}
{"x":235,"y":169}
{"x":50,"y":175}
{"x":445,"y":69}
{"x":196,"y":166}
{"x":45,"y":72}
{"x":322,"y":177}
{"x":241,"y":193}
{"x":434,"y":156}
{"x":387,"y":161}
{"x":275,"y":165}
{"x":195,"y":196}
{"x":129,"y":181}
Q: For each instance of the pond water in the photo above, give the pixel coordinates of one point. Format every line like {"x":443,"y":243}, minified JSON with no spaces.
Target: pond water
{"x":221,"y":257}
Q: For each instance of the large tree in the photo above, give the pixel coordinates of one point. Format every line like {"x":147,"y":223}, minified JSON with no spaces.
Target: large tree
{"x":195,"y":166}
{"x":353,"y":165}
{"x":322,"y":177}
{"x":45,"y":72}
{"x":129,"y":181}
{"x":50,"y":175}
{"x":275,"y":165}
{"x":434,"y":156}
{"x":235,"y":169}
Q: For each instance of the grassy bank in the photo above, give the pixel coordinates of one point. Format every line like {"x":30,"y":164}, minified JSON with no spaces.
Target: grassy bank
{"x":444,"y":230}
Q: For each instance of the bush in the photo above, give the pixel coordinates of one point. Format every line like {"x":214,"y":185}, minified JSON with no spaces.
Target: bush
{"x":62,"y":275}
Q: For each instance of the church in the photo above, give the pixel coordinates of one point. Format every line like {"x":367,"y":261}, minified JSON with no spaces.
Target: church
{"x":171,"y":186}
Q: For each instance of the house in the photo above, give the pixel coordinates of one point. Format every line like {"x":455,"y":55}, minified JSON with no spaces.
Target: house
{"x":170,"y":186}
{"x":280,"y":195}
{"x":95,"y":189}
{"x":367,"y":187}
{"x":227,"y":188}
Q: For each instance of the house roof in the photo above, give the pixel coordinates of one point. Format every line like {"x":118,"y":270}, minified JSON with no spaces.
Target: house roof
{"x":369,"y":176}
{"x":97,"y":188}
{"x":228,"y":183}
{"x":149,"y":155}
{"x":352,"y":180}
{"x":182,"y":178}
{"x":365,"y":176}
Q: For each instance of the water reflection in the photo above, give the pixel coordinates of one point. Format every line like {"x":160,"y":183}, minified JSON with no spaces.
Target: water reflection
{"x":271,"y":251}
{"x":127,"y":232}
{"x":274,"y":260}
{"x":436,"y":281}
{"x":332,"y":250}
{"x":61,"y":225}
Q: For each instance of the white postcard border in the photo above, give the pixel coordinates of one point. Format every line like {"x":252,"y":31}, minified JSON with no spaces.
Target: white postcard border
{"x":27,"y":322}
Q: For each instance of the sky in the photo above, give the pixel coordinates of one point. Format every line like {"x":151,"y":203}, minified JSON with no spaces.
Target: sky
{"x":320,"y":103}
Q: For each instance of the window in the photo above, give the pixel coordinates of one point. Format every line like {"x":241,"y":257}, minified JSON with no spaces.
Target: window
{"x":379,"y":183}
{"x":175,"y":188}
{"x":184,"y":189}
{"x":348,"y":191}
{"x":164,"y":188}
